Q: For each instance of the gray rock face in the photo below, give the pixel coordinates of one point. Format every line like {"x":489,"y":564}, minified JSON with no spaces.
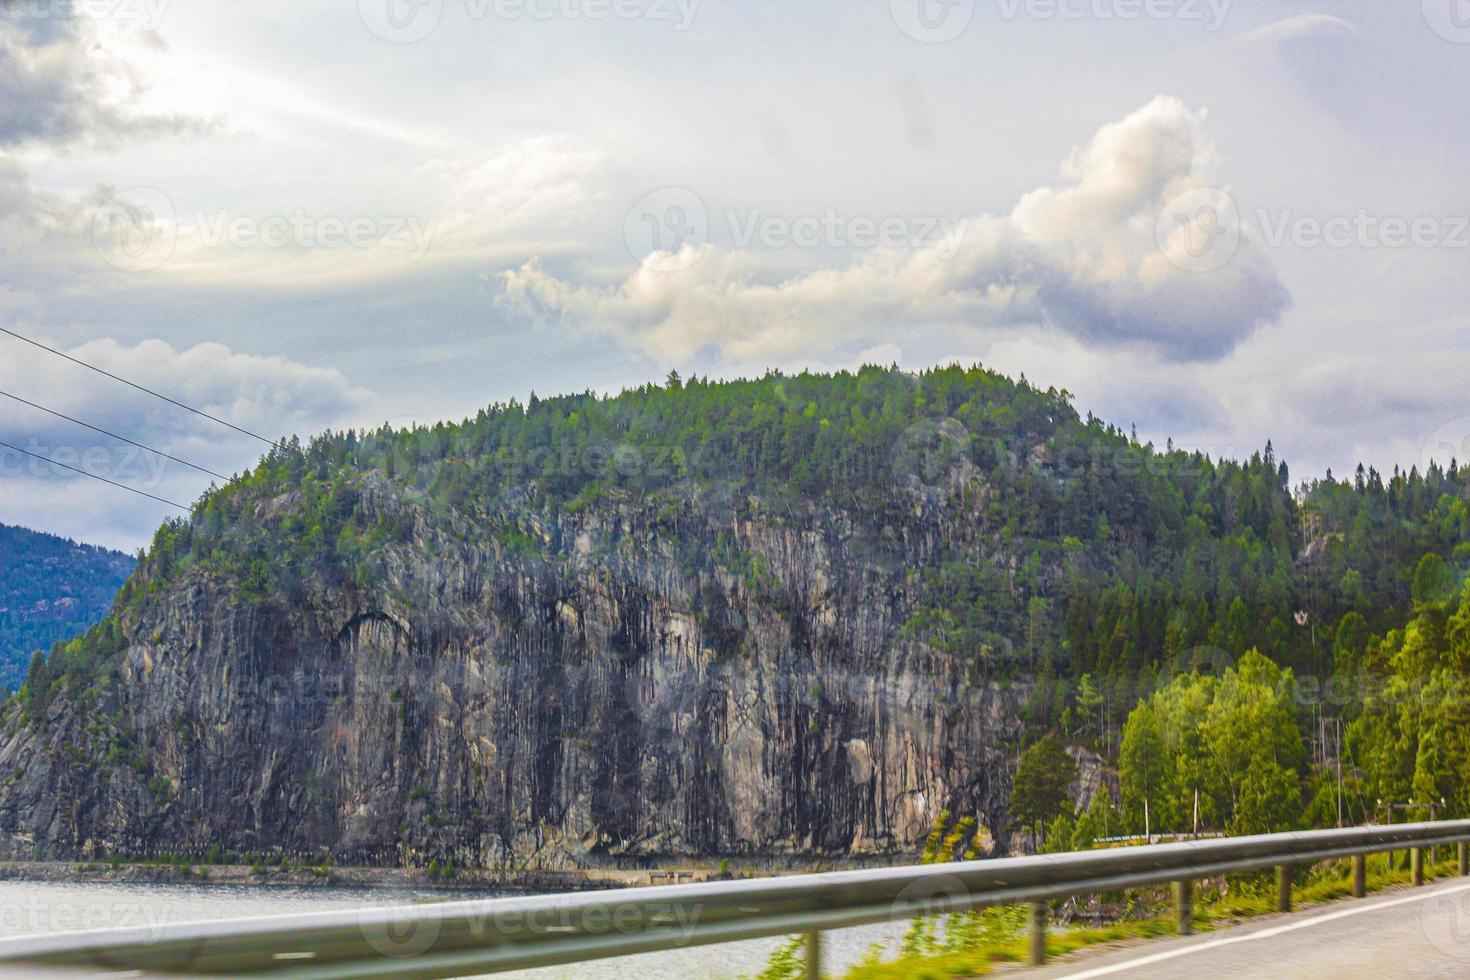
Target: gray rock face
{"x":634,"y":680}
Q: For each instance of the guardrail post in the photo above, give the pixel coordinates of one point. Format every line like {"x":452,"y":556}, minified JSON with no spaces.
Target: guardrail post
{"x":1416,"y":865}
{"x":1184,"y":906}
{"x":1038,"y":933}
{"x":814,"y":956}
{"x":1360,"y":875}
{"x":1464,"y":858}
{"x":1283,"y":888}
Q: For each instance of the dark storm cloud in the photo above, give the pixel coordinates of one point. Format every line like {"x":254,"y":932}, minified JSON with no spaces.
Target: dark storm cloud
{"x":61,"y":83}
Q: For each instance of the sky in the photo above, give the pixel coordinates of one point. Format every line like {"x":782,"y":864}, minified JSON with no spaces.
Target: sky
{"x":1220,"y":221}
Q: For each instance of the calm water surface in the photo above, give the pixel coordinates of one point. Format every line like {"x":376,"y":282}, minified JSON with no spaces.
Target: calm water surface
{"x":29,"y":908}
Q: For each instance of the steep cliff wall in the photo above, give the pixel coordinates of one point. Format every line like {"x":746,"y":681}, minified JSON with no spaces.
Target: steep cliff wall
{"x":786,"y":616}
{"x":693,"y":676}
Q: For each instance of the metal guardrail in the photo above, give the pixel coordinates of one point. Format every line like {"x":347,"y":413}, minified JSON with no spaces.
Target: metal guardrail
{"x":466,"y":938}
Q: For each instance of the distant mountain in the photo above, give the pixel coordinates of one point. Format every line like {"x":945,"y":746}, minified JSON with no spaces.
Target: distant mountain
{"x":50,"y":589}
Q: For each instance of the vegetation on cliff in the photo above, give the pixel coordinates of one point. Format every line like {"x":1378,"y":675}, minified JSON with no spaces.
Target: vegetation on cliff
{"x":1097,"y":525}
{"x":1180,"y":614}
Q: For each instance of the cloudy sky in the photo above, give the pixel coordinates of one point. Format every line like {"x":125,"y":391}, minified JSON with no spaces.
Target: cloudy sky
{"x":1224,"y":221}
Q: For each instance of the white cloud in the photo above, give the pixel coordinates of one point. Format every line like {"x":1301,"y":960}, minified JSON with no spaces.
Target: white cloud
{"x":69,"y":80}
{"x":270,"y":395}
{"x":1082,"y":256}
{"x":1318,"y":117}
{"x":1356,"y":406}
{"x":499,"y":206}
{"x":65,"y":79}
{"x":1361,"y":406}
{"x":518,"y":187}
{"x":273,"y":396}
{"x":29,"y":217}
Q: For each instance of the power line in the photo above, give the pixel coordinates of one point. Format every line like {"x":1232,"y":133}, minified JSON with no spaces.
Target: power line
{"x":130,"y":384}
{"x":114,"y":435}
{"x":121,"y":486}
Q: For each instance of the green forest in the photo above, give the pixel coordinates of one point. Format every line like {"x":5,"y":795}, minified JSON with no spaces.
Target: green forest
{"x":1208,"y":627}
{"x":52,"y":589}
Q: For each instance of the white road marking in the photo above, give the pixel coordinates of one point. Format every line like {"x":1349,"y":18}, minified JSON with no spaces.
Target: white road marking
{"x":1170,"y":954}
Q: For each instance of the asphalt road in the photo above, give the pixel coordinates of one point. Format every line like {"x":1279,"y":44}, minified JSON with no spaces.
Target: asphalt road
{"x":1421,"y":932}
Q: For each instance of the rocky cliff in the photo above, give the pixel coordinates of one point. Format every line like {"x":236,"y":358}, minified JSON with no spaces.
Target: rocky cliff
{"x":608,"y":688}
{"x":785,"y":617}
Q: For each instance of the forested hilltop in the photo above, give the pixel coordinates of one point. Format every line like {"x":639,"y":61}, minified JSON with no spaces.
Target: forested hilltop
{"x":790,"y":615}
{"x":51,"y":589}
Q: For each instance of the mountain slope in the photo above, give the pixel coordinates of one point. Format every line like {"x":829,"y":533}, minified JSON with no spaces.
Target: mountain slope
{"x":50,"y":589}
{"x":794,"y":615}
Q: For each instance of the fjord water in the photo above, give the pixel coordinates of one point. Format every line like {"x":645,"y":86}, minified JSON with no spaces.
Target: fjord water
{"x":31,"y":908}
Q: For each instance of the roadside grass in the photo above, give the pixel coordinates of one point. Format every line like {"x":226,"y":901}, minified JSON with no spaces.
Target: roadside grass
{"x":972,"y":944}
{"x":981,"y":959}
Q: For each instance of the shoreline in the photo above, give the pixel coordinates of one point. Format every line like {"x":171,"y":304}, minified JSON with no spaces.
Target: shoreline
{"x":228,"y":875}
{"x":524,"y":881}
